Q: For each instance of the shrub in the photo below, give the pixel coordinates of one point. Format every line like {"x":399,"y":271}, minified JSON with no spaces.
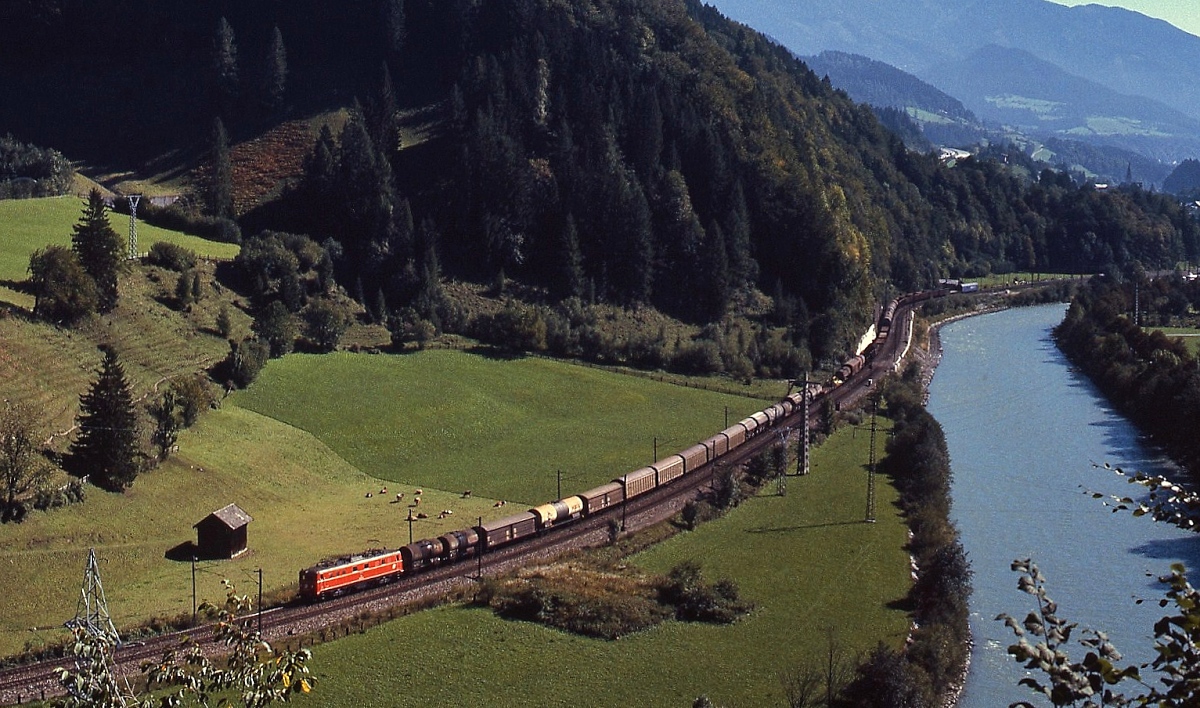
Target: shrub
{"x":245,"y":361}
{"x":696,"y":601}
{"x":592,"y":603}
{"x":171,"y":256}
{"x":699,"y":357}
{"x":177,"y":218}
{"x":72,"y":492}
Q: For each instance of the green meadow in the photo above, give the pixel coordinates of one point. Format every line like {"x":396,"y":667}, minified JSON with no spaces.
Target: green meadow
{"x":29,"y":224}
{"x":500,"y":428}
{"x":807,"y":560}
{"x":306,"y":482}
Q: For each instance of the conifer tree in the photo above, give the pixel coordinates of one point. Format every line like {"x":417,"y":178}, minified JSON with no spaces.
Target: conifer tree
{"x":275,"y":73}
{"x":107,"y":448}
{"x":225,"y":67}
{"x":714,"y":270}
{"x":220,"y":179}
{"x":99,"y":249}
{"x":380,"y":115}
{"x":393,"y":25}
{"x":364,"y":186}
{"x":570,"y":262}
{"x":743,"y":271}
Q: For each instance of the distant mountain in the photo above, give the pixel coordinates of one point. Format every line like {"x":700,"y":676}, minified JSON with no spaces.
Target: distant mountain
{"x":1185,"y":179}
{"x":1016,"y":88}
{"x":941,"y":119}
{"x":1123,"y":51}
{"x":1104,"y":162}
{"x":879,"y":84}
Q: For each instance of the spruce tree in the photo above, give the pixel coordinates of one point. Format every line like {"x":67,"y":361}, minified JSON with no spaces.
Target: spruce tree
{"x":570,"y":280}
{"x":275,"y":73}
{"x":220,"y":178}
{"x":99,"y":249}
{"x":714,"y":282}
{"x":365,"y":188}
{"x":393,"y":25}
{"x":380,"y":115}
{"x":107,"y":447}
{"x":225,"y":67}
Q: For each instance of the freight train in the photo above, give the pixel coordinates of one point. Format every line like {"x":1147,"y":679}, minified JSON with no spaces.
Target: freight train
{"x":373,"y":567}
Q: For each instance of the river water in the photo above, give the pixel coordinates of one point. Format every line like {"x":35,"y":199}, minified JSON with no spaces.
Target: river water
{"x":1024,"y":429}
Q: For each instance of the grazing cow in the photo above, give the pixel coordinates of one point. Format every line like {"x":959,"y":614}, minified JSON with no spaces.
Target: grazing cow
{"x":498,"y":504}
{"x":466,"y":494}
{"x":399,"y":497}
{"x":416,"y":501}
{"x":422,"y":515}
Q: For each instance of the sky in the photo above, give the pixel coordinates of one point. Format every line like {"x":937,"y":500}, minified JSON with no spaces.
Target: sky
{"x":1184,"y":14}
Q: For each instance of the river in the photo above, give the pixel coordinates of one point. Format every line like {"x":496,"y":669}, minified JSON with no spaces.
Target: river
{"x":1024,"y":429}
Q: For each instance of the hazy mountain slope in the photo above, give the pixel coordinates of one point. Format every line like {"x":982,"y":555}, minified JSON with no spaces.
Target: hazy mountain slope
{"x":879,"y":84}
{"x":1014,"y":87}
{"x":1126,"y":52}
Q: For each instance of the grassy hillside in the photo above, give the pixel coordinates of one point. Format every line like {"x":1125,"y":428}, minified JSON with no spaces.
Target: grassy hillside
{"x":499,"y":428}
{"x":52,"y":366}
{"x":29,"y":224}
{"x":308,"y":492}
{"x":806,"y":560}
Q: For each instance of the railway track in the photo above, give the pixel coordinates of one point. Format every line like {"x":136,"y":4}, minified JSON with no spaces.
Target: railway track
{"x":286,"y":624}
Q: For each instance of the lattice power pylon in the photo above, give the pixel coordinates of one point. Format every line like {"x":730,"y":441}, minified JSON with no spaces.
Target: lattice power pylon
{"x":871,"y":466}
{"x":781,"y":472}
{"x":133,"y":244}
{"x":91,"y":615}
{"x":802,"y":465}
{"x":92,"y":619}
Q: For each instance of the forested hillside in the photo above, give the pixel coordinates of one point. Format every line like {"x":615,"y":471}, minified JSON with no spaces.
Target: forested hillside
{"x":644,"y":152}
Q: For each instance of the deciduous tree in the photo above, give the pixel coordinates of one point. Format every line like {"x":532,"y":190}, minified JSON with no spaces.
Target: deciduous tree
{"x":165,"y":414}
{"x":325,"y":322}
{"x":275,"y":325}
{"x":63,"y":290}
{"x":22,"y":467}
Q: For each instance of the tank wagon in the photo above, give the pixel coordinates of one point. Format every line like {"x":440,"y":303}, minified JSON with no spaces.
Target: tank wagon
{"x":348,"y":573}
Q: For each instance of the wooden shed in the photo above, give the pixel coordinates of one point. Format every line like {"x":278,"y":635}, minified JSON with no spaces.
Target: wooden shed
{"x":222,"y":534}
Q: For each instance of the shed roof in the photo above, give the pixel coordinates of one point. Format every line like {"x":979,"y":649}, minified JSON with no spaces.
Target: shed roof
{"x":231,"y":515}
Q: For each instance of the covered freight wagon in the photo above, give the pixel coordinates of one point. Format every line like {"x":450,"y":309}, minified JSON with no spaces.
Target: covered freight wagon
{"x":602,"y":497}
{"x":510,"y":528}
{"x":639,"y":481}
{"x":695,"y":456}
{"x":668,"y":468}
